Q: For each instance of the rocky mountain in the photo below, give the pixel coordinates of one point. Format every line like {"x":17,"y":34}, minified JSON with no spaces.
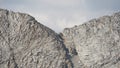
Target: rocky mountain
{"x":25,"y":43}
{"x":97,"y":42}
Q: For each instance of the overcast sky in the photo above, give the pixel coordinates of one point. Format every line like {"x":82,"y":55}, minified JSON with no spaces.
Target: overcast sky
{"x":59,"y":14}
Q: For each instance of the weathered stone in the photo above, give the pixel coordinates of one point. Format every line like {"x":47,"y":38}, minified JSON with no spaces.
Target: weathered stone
{"x":97,"y":42}
{"x":25,"y":43}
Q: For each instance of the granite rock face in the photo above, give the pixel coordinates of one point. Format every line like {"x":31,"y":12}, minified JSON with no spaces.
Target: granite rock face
{"x":97,"y":42}
{"x":25,"y":43}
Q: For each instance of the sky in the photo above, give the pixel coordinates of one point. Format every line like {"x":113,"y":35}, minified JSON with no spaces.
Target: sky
{"x":60,"y":14}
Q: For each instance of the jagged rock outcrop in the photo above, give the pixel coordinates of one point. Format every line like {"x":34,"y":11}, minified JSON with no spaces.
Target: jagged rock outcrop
{"x":25,"y":43}
{"x":97,"y":42}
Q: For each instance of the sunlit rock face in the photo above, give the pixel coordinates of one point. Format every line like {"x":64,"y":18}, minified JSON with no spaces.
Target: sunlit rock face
{"x":25,"y":43}
{"x":97,"y":42}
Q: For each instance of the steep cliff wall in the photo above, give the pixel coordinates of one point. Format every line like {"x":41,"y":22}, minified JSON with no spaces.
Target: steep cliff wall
{"x":97,"y":42}
{"x":25,"y":43}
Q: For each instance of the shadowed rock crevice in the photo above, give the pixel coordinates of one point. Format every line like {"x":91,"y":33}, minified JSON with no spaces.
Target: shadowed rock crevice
{"x":67,"y":51}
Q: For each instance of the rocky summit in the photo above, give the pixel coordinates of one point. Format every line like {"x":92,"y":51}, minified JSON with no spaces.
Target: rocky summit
{"x":26,"y":43}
